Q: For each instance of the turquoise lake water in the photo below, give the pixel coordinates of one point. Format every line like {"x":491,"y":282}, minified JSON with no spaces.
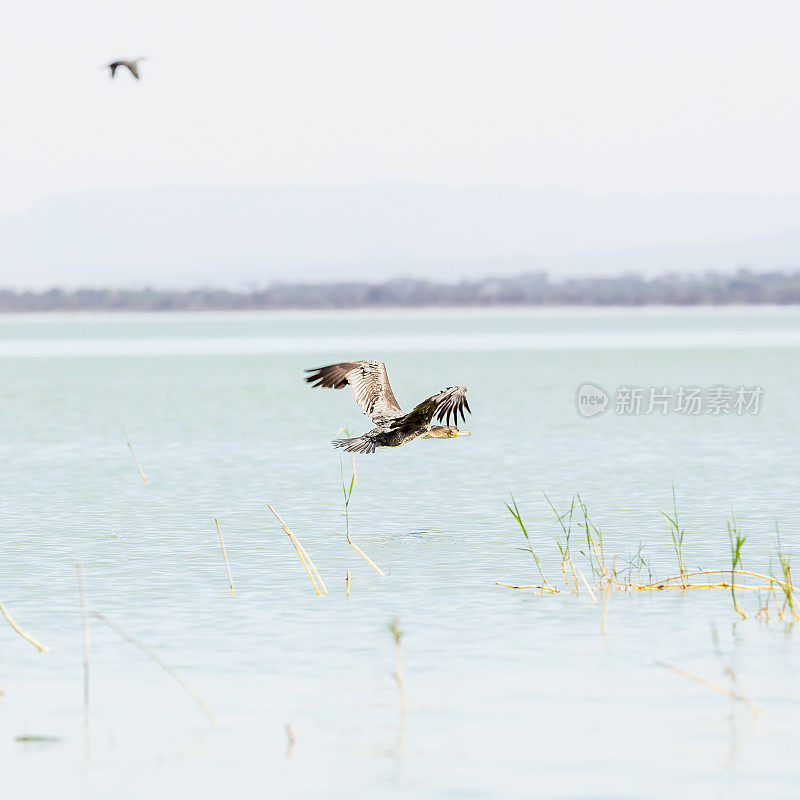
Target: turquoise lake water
{"x":509,"y":694}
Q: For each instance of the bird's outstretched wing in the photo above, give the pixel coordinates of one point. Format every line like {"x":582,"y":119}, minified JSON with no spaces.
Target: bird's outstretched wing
{"x":134,"y":68}
{"x":357,"y":444}
{"x":448,"y":403}
{"x":369,"y":383}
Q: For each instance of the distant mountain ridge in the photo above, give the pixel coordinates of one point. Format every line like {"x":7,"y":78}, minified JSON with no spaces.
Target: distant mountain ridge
{"x":743,"y":287}
{"x":181,"y":238}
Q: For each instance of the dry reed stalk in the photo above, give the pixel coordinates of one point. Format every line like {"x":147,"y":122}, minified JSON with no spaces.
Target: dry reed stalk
{"x":574,"y":576}
{"x":296,"y":545}
{"x":224,"y":555}
{"x":586,"y":584}
{"x":605,"y":608}
{"x":610,"y":578}
{"x":347,"y":582}
{"x":136,"y":460}
{"x":781,"y":609}
{"x":42,"y":648}
{"x":398,"y":672}
{"x":394,"y":627}
{"x":304,"y":557}
{"x":755,"y":708}
{"x":290,"y":740}
{"x":764,"y":611}
{"x":543,"y":589}
{"x":721,"y":585}
{"x":308,"y":558}
{"x":635,"y":587}
{"x":148,"y":651}
{"x":87,"y":653}
{"x":601,"y":561}
{"x":364,"y":555}
{"x":768,"y":578}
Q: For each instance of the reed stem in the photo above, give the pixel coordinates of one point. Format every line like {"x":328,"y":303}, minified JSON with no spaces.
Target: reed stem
{"x":304,"y":557}
{"x":347,"y":495}
{"x":656,"y":584}
{"x":135,"y":459}
{"x":86,"y":655}
{"x":755,"y":708}
{"x":394,"y":627}
{"x":605,"y":605}
{"x":148,"y":651}
{"x":42,"y":648}
{"x":224,"y":555}
{"x":586,"y":584}
{"x":290,"y":740}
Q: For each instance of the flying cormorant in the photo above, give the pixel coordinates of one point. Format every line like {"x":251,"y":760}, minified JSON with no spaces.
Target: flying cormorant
{"x":372,"y":392}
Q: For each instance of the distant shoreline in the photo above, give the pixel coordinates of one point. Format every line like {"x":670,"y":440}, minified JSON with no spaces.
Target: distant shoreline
{"x":743,"y":287}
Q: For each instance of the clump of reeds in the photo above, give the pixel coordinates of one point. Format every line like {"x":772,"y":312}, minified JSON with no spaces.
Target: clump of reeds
{"x":638,"y":563}
{"x":515,"y":512}
{"x":594,"y":546}
{"x":605,"y":579}
{"x":563,"y":547}
{"x":676,"y":534}
{"x":785,"y":586}
{"x":594,"y":552}
{"x":737,"y":542}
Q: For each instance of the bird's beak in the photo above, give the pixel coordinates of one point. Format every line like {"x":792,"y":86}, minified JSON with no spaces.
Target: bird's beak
{"x":463,"y":433}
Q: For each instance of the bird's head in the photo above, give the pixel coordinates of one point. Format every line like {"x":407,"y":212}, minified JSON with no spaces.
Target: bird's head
{"x":444,"y":432}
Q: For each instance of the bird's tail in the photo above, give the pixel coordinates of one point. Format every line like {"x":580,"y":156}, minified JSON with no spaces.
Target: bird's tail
{"x":358,"y":444}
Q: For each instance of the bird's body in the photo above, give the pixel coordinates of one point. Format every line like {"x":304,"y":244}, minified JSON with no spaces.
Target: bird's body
{"x":374,"y":395}
{"x":131,"y":64}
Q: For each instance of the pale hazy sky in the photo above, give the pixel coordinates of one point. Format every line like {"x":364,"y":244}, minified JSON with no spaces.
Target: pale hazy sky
{"x":602,"y":96}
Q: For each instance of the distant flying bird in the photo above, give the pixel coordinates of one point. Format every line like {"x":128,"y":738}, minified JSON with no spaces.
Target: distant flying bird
{"x":132,"y":64}
{"x":374,"y":396}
